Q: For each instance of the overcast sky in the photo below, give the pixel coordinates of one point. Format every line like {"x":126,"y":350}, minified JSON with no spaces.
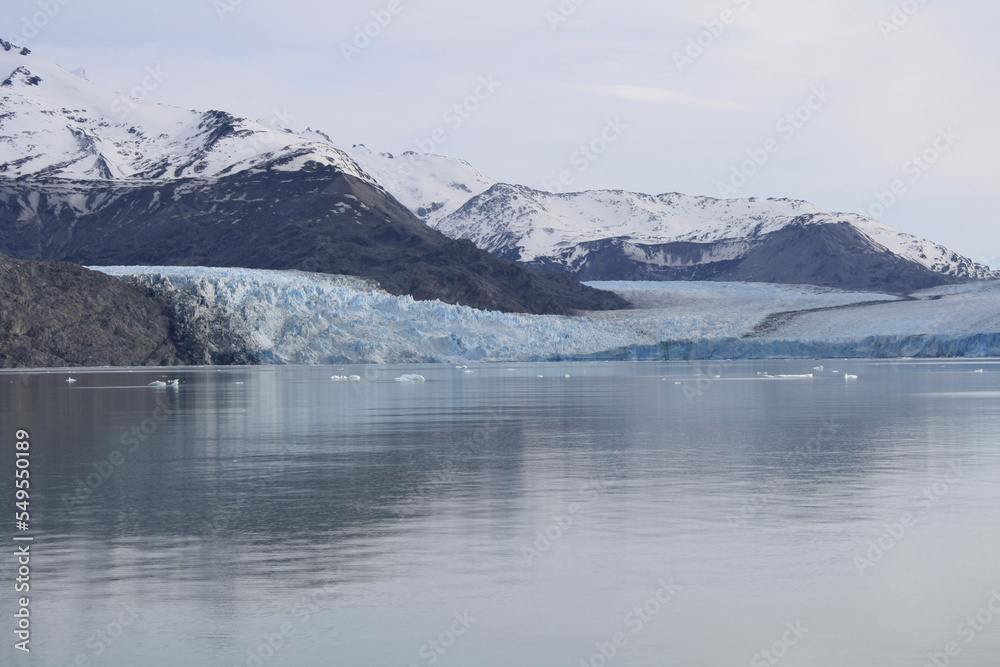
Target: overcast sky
{"x":695,"y":88}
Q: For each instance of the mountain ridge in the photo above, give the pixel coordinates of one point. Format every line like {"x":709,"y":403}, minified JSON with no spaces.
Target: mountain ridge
{"x":621,"y":235}
{"x":168,"y":186}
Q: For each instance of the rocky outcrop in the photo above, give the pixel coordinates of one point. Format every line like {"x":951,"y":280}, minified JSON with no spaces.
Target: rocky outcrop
{"x":56,"y":314}
{"x":59,"y":314}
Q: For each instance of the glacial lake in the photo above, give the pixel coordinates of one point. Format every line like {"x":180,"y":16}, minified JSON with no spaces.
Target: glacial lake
{"x":677,"y":513}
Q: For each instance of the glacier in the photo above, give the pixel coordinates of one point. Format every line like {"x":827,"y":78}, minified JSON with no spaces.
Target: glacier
{"x":289,"y":317}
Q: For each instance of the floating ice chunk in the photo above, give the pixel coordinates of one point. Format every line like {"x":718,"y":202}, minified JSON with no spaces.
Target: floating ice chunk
{"x":70,"y":380}
{"x":411,"y":378}
{"x":339,"y":378}
{"x":157,"y":384}
{"x":980,"y":370}
{"x":567,"y":375}
{"x":848,"y":376}
{"x":354,"y":378}
{"x":818,"y":368}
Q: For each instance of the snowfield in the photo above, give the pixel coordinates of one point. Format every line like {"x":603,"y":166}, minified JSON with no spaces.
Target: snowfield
{"x":300,"y":318}
{"x":529,"y":225}
{"x":56,"y":124}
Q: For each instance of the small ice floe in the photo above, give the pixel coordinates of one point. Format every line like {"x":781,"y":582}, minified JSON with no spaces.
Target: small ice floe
{"x":834,"y":372}
{"x":339,"y":378}
{"x":678,"y":383}
{"x":848,"y":376}
{"x":411,"y":378}
{"x":540,"y":376}
{"x":468,"y":371}
{"x":174,"y":383}
{"x":354,"y":378}
{"x":567,"y":375}
{"x":978,"y":370}
{"x":789,"y":377}
{"x":238,"y":383}
{"x":157,"y":384}
{"x":460,"y":367}
{"x":818,"y":369}
{"x":70,"y":380}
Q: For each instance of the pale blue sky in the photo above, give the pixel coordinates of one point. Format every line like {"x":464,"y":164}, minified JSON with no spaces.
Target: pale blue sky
{"x":885,"y":94}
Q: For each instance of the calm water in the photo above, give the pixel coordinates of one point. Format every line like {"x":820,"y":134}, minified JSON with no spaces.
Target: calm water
{"x":272,"y":517}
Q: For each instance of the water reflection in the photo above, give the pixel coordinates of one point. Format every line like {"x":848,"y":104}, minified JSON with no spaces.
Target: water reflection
{"x":366,"y":515}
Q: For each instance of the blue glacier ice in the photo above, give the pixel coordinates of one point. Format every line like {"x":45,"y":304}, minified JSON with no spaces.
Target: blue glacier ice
{"x":288,"y":317}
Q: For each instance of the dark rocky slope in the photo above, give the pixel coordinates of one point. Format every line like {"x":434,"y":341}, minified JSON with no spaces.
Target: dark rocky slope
{"x":56,"y":314}
{"x":59,"y":314}
{"x":830,"y":255}
{"x":317,"y":219}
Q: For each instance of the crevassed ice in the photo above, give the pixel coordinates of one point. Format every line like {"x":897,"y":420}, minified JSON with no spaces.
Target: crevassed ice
{"x":291,"y":317}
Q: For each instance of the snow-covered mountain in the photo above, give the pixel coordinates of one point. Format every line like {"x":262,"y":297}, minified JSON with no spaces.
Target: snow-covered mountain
{"x":618,"y":235}
{"x":93,"y":177}
{"x":432,"y":186}
{"x":56,"y":124}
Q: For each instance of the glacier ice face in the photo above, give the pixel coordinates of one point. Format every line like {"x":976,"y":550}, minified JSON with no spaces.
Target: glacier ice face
{"x":285,"y":317}
{"x":298,"y":318}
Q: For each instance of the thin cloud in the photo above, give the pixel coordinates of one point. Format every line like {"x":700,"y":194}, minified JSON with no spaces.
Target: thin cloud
{"x":659,"y":96}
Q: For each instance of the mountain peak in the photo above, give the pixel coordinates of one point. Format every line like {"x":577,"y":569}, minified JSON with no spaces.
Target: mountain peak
{"x":619,"y":235}
{"x":54,"y":123}
{"x":7,"y":46}
{"x":22,"y":75}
